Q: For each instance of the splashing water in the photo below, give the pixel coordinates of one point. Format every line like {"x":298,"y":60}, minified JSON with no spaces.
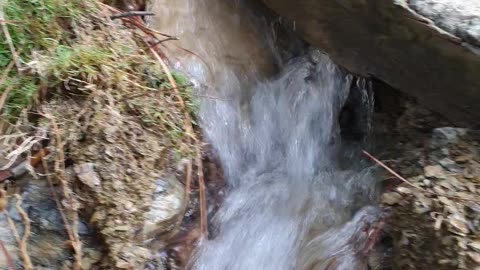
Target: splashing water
{"x":293,"y":202}
{"x":290,"y":206}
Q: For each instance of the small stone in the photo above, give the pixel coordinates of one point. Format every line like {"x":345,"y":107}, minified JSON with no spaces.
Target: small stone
{"x":444,"y":261}
{"x":122,"y":264}
{"x":471,"y":187}
{"x":434,"y":171}
{"x":424,"y":201}
{"x":458,"y":225}
{"x":468,"y":174}
{"x":475,"y":245}
{"x":463,"y":158}
{"x":438,"y":223}
{"x":446,"y":185}
{"x":122,"y":228}
{"x":128,"y":205}
{"x":86,"y":174}
{"x":474,"y":256}
{"x":475,"y":207}
{"x":462,"y":243}
{"x":438,"y":190}
{"x":97,"y":216}
{"x":404,"y":190}
{"x":450,"y":165}
{"x":391,"y":198}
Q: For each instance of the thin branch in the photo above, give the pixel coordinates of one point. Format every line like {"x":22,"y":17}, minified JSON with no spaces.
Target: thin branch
{"x":9,"y":41}
{"x":188,"y":123}
{"x":6,"y":71}
{"x":203,"y":199}
{"x":21,"y":242}
{"x":4,"y":96}
{"x":22,"y":246}
{"x":134,"y":20}
{"x":189,"y":130}
{"x":67,"y":194}
{"x":150,"y":93}
{"x":163,"y":40}
{"x":409,"y":183}
{"x":8,"y":258}
{"x":131,"y":14}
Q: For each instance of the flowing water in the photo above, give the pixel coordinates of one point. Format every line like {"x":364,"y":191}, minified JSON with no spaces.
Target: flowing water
{"x":290,"y":205}
{"x":294,"y":201}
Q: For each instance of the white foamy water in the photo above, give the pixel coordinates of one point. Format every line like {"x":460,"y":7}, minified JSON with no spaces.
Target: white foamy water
{"x":290,"y":203}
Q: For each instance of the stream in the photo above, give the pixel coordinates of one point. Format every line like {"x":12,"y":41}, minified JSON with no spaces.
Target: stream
{"x":297,"y":197}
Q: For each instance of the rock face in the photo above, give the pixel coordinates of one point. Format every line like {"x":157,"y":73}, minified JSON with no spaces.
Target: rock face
{"x":427,"y":49}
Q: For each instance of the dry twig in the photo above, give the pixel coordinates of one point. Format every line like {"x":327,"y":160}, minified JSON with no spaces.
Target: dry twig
{"x":22,"y":245}
{"x":163,"y":40}
{"x":409,"y":183}
{"x":67,"y":194}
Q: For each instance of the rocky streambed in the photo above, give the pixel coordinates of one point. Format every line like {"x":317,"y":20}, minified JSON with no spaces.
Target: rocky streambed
{"x":132,"y":215}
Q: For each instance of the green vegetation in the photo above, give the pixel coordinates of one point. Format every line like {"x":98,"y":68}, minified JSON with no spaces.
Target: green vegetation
{"x":68,"y":48}
{"x":35,"y":26}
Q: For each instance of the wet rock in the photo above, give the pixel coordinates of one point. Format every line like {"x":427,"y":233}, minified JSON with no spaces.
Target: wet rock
{"x":46,"y":244}
{"x":354,"y":33}
{"x":167,"y":205}
{"x":446,"y":135}
{"x":461,"y":19}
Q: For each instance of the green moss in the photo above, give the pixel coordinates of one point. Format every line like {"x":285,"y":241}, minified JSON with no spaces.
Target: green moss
{"x":39,"y":24}
{"x":36,"y":26}
{"x":77,"y":61}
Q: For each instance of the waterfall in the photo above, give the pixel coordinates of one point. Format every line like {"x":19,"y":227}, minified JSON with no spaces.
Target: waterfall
{"x":294,"y":199}
{"x":289,"y":205}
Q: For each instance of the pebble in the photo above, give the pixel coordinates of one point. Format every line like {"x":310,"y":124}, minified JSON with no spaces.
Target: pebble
{"x":458,"y":225}
{"x":87,"y":175}
{"x":434,"y":171}
{"x":474,"y":256}
{"x":391,"y":198}
{"x":450,"y":165}
{"x":475,"y":245}
{"x":463,"y":158}
{"x":404,"y":190}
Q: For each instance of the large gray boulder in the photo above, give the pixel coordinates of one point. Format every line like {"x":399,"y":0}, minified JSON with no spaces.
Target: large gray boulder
{"x":426,"y":48}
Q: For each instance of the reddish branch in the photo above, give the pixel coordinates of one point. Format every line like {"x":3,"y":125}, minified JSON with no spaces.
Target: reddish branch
{"x":7,"y":256}
{"x":409,"y":183}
